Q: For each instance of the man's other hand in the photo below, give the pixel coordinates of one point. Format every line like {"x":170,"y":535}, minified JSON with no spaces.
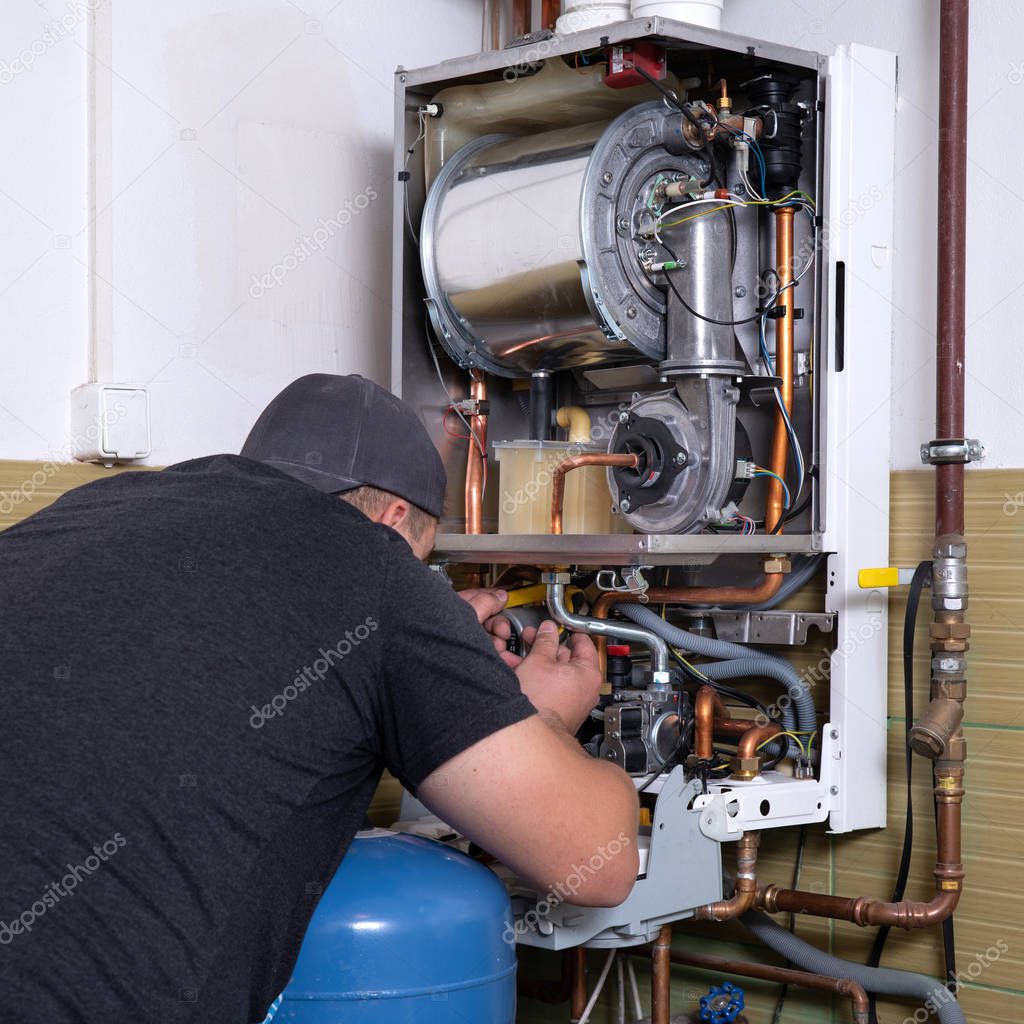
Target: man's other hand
{"x":487,"y":604}
{"x":559,"y":679}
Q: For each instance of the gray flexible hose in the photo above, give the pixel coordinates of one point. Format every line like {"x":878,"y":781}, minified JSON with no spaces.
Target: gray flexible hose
{"x":739,"y":661}
{"x":880,"y":980}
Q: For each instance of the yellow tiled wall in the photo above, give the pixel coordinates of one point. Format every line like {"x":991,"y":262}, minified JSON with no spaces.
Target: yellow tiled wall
{"x":992,"y":911}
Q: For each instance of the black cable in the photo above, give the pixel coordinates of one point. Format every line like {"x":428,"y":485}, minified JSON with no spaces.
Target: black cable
{"x":922,"y":578}
{"x":726,"y":691}
{"x":690,"y":309}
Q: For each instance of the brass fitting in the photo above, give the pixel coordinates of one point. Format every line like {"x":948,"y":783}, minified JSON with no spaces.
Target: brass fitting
{"x":746,"y":767}
{"x":780,"y":564}
{"x":931,"y":734}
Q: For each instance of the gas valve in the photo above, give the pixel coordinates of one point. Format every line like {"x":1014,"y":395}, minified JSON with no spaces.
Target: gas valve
{"x":722,"y":1005}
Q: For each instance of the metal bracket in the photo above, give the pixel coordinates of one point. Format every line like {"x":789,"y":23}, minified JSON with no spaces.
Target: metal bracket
{"x":953,"y":450}
{"x":781,"y":628}
{"x":632,"y":581}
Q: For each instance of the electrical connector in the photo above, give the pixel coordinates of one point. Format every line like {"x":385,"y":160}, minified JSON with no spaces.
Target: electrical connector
{"x":746,"y":469}
{"x":432,"y":110}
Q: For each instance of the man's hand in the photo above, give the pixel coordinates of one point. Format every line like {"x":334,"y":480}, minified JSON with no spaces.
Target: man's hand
{"x":487,"y":604}
{"x":562,"y":680}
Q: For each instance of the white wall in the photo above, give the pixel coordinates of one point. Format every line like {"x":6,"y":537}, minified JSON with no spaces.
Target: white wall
{"x":226,"y":134}
{"x":995,"y":370}
{"x":225,"y":130}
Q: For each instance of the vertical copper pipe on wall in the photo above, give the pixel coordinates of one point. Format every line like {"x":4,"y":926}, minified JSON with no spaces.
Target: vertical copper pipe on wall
{"x":952,"y":256}
{"x":476,"y":460}
{"x":550,"y":11}
{"x":661,"y":977}
{"x":774,"y":509}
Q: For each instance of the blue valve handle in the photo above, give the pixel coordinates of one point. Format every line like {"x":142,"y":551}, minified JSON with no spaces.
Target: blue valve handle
{"x":722,"y":1005}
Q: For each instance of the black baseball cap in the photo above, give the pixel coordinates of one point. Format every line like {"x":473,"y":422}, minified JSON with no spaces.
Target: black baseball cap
{"x":341,"y":432}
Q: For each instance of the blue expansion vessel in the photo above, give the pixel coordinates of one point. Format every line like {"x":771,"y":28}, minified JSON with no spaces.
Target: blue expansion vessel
{"x":408,"y":932}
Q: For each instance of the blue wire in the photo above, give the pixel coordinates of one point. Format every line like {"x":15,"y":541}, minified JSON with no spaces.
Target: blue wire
{"x":775,"y":476}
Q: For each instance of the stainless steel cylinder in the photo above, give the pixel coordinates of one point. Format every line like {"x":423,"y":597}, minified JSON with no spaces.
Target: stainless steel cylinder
{"x":531,"y":246}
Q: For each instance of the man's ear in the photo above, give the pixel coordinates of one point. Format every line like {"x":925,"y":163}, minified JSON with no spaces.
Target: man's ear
{"x":394,"y":514}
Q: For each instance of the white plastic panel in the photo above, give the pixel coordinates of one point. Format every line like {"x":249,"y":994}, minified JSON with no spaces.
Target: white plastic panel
{"x":859,"y":226}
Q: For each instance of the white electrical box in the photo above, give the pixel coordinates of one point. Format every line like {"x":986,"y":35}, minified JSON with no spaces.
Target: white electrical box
{"x":110,"y":423}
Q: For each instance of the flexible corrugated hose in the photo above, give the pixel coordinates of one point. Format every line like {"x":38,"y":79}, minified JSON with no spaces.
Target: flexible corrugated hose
{"x":932,"y":994}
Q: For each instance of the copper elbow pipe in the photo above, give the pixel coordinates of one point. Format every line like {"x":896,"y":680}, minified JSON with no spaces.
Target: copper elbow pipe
{"x":579,"y":462}
{"x":661,"y":977}
{"x":707,"y":710}
{"x":784,"y":975}
{"x":746,"y":884}
{"x":754,"y":738}
{"x":775,"y":505}
{"x":949,"y":874}
{"x":476,"y":460}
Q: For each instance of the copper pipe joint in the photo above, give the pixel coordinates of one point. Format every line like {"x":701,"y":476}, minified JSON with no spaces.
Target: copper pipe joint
{"x":775,"y":504}
{"x":783,"y":975}
{"x":476,"y":460}
{"x":661,"y":977}
{"x":579,"y":462}
{"x":746,"y":884}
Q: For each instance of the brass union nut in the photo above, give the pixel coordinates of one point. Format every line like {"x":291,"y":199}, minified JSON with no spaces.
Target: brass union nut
{"x":746,"y":767}
{"x":777,"y":565}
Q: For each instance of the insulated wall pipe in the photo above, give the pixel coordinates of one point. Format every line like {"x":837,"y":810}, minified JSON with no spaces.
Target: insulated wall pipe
{"x":952,"y":249}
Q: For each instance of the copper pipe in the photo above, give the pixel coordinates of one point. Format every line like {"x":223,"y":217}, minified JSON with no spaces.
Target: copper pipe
{"x":952,"y":232}
{"x":754,"y":738}
{"x":707,"y":709}
{"x":746,"y":884}
{"x":476,"y":460}
{"x":579,"y":462}
{"x":759,"y":593}
{"x":661,"y":977}
{"x":579,"y":983}
{"x":949,"y":874}
{"x":775,"y":505}
{"x":550,"y":11}
{"x":521,"y":16}
{"x":783,"y":975}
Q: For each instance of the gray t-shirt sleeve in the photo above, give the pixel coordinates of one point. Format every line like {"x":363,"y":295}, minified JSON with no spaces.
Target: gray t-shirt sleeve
{"x":442,"y":687}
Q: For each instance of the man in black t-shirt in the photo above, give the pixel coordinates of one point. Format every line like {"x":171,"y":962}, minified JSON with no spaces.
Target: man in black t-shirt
{"x":207,"y":669}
